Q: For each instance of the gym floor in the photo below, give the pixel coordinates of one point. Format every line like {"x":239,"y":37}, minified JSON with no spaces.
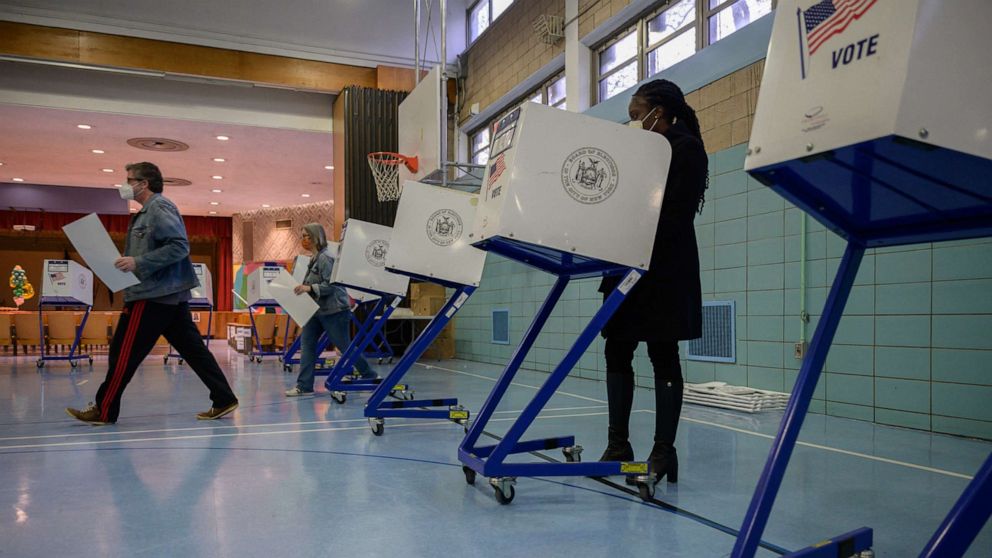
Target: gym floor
{"x":306,"y":477}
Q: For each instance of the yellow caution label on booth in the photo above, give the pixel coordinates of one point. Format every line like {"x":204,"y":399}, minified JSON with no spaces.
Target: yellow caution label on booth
{"x":634,"y":468}
{"x":458,"y":415}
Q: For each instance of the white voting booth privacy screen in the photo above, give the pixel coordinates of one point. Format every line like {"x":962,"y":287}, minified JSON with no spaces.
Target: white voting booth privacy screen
{"x":361,"y":260}
{"x":258,"y":284}
{"x":575,"y":184}
{"x":204,"y":292}
{"x":834,"y":77}
{"x":300,"y":272}
{"x":68,"y":281}
{"x":431,"y":235}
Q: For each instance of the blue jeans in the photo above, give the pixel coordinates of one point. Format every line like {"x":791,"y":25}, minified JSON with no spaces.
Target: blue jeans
{"x":336,"y":326}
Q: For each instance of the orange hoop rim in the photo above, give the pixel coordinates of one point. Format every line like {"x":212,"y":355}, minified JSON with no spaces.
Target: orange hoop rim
{"x":393,"y":158}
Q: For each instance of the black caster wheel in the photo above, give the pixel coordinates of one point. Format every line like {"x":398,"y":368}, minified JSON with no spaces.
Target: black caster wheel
{"x":340,"y":397}
{"x":390,"y":361}
{"x":39,"y":363}
{"x":287,"y":368}
{"x":572,"y":454}
{"x":469,"y":474}
{"x":379,"y":361}
{"x":645,"y":490}
{"x":73,"y":364}
{"x":280,"y":359}
{"x":180,"y":362}
{"x":165,"y":360}
{"x":91,"y":361}
{"x":377,"y":426}
{"x":504,"y":498}
{"x":465,"y":426}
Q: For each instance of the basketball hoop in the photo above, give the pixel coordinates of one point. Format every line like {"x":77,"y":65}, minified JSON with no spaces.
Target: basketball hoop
{"x":385,"y":167}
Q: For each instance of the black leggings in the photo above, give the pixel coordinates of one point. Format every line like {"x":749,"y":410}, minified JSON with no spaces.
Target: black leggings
{"x":664,"y":357}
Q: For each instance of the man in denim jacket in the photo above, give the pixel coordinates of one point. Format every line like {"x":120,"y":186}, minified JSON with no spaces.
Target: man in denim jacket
{"x":157,"y":251}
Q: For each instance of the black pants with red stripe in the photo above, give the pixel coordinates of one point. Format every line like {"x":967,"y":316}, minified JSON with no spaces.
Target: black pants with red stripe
{"x":142,"y":323}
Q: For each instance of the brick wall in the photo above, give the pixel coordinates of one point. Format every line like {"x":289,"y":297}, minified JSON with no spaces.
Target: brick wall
{"x":593,"y":13}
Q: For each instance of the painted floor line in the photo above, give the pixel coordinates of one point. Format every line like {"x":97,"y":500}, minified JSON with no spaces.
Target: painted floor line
{"x":751,"y":433}
{"x":240,"y":426}
{"x":271,"y":433}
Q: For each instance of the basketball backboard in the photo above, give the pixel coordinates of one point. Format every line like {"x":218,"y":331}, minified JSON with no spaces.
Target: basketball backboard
{"x":420,"y":127}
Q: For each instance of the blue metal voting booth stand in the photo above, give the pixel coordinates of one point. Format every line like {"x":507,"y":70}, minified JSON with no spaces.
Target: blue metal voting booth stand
{"x":339,"y":380}
{"x":256,"y":352}
{"x":196,"y":304}
{"x":377,"y":408}
{"x":886,"y":192}
{"x":490,"y":461}
{"x":380,"y":347}
{"x":64,"y":302}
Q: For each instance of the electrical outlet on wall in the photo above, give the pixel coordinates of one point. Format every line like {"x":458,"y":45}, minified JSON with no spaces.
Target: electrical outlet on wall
{"x":799,"y":350}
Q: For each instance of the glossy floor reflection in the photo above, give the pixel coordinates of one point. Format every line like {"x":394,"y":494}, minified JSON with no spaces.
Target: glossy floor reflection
{"x":305,"y":477}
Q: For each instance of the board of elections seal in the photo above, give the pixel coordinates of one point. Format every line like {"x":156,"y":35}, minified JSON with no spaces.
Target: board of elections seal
{"x":375,"y":252}
{"x":589,"y":175}
{"x":444,"y":227}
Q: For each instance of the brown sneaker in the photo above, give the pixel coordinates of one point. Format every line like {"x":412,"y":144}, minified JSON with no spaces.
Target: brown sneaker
{"x":90,"y":414}
{"x":214,"y":413}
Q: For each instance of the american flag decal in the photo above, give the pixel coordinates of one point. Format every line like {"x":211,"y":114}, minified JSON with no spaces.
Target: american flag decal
{"x":826,"y":19}
{"x":496,"y":170}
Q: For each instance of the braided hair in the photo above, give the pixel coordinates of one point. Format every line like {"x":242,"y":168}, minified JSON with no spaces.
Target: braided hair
{"x":663,"y":93}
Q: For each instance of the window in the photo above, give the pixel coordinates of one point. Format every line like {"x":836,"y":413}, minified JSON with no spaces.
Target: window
{"x":618,"y":66}
{"x":725,"y":16}
{"x":482,"y":13}
{"x":480,"y":147}
{"x":668,"y":35}
{"x":556,"y":93}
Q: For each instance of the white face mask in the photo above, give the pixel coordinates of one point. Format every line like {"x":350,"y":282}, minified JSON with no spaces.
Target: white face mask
{"x":126,"y":191}
{"x":639,"y":124}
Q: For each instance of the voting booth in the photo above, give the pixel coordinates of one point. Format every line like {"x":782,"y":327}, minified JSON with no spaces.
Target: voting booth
{"x":430,"y":242}
{"x":201,"y":298}
{"x":64,"y":284}
{"x":577,"y":197}
{"x":874,"y":118}
{"x":259,"y":297}
{"x":361,"y":265}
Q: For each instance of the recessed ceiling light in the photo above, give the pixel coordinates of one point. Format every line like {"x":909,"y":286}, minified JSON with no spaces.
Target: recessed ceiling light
{"x":266,"y":205}
{"x":223,"y":138}
{"x":216,"y":190}
{"x":329,"y":167}
{"x":214,"y":203}
{"x":107,"y":170}
{"x":217,"y":177}
{"x":134,"y":210}
{"x":1,"y":163}
{"x":218,"y":159}
{"x":83,"y":126}
{"x":117,"y":185}
{"x":213,"y":213}
{"x":18,"y":179}
{"x":304,"y":195}
{"x":97,"y":151}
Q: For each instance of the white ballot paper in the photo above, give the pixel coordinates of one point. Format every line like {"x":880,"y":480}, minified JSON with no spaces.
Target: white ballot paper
{"x":299,"y":307}
{"x":93,"y":243}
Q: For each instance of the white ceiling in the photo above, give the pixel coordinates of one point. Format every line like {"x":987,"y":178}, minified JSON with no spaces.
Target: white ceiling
{"x":280,"y":140}
{"x":359,"y":32}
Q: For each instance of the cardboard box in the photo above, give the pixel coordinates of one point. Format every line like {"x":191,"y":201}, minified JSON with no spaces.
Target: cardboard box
{"x":420,"y":290}
{"x":427,"y":305}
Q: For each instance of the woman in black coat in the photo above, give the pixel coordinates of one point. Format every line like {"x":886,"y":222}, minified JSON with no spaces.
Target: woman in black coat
{"x":665,"y":306}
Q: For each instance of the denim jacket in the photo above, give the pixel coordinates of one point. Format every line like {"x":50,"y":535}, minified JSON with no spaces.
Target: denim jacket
{"x":331,"y":298}
{"x":156,"y":239}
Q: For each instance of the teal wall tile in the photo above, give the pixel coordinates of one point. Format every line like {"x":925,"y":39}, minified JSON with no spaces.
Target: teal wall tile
{"x":730,"y":255}
{"x":765,"y":328}
{"x":728,"y":160}
{"x":962,"y":262}
{"x":733,"y":374}
{"x":730,"y":207}
{"x":731,"y":232}
{"x":962,"y":401}
{"x":705,"y":235}
{"x":903,"y":298}
{"x":903,"y":267}
{"x":699,"y":372}
{"x":846,"y":410}
{"x":850,"y":359}
{"x":764,"y":353}
{"x":764,"y":201}
{"x":962,"y":297}
{"x":766,"y":378}
{"x":911,"y":363}
{"x":767,"y":251}
{"x":767,"y":225}
{"x":844,"y":388}
{"x":920,"y":421}
{"x":766,"y":303}
{"x":727,"y":184}
{"x":855,"y":330}
{"x":861,"y":301}
{"x":765,"y":277}
{"x":962,"y":331}
{"x":730,"y":279}
{"x":819,"y":393}
{"x":962,"y":427}
{"x":903,"y":395}
{"x":903,"y":331}
{"x":962,"y":366}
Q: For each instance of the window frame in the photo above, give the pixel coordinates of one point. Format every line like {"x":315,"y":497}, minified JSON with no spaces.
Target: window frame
{"x":468,"y":20}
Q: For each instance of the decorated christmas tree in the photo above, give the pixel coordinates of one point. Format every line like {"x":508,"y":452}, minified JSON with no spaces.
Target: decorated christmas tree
{"x":22,"y":288}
